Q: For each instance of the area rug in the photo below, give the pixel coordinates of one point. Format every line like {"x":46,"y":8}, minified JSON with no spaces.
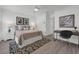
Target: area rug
{"x":32,"y":47}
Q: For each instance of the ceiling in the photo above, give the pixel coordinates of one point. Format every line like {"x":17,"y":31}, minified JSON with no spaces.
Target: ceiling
{"x":29,"y":9}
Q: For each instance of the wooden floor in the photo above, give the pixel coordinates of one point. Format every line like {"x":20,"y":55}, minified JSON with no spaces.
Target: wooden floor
{"x":4,"y":47}
{"x":57,"y":47}
{"x":53,"y":47}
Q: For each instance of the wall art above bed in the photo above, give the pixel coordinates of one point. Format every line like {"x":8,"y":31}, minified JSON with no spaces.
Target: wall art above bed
{"x":67,"y":21}
{"x":22,"y":21}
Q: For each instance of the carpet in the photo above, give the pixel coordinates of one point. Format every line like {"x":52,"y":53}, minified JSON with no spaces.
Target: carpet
{"x":32,"y":47}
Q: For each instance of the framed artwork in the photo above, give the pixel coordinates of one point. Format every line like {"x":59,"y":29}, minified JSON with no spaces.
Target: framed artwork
{"x":22,"y":21}
{"x":19,"y":20}
{"x":66,"y":21}
{"x":26,"y":21}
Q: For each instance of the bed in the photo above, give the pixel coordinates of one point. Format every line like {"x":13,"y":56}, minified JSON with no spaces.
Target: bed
{"x":27,"y":37}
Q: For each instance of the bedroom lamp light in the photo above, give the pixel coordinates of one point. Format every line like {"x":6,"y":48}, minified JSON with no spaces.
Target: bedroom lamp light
{"x":75,"y":28}
{"x":9,"y":24}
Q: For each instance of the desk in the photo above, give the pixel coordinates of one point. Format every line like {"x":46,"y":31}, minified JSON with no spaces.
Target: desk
{"x":76,"y":33}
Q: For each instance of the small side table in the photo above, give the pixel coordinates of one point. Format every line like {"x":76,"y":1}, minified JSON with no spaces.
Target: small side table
{"x":13,"y":47}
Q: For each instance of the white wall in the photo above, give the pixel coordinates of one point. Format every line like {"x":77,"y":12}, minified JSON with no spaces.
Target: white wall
{"x":0,"y":24}
{"x":49,"y":23}
{"x":67,"y":11}
{"x":41,"y":22}
{"x":10,"y":18}
{"x":45,"y":23}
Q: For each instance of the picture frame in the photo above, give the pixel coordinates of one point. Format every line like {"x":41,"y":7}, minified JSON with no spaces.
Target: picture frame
{"x":67,"y":21}
{"x":26,"y":21}
{"x":22,"y":21}
{"x":19,"y":20}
